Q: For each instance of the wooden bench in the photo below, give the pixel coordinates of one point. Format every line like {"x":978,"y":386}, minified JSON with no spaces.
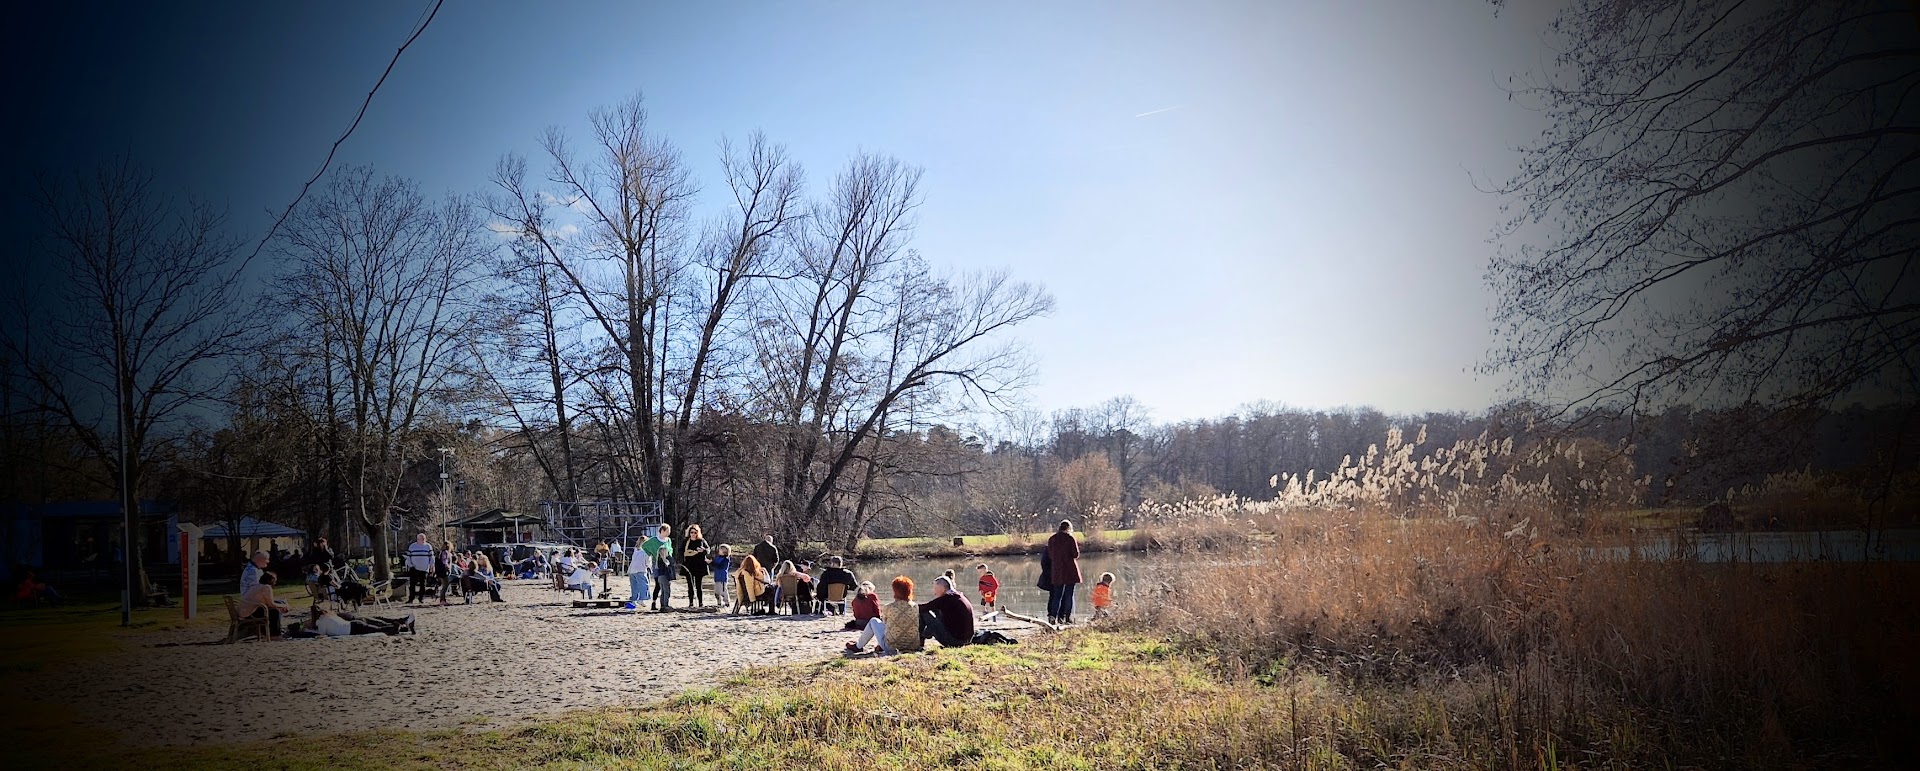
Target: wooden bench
{"x":600,"y":603}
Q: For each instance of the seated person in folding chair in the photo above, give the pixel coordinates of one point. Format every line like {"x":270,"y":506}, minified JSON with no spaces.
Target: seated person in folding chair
{"x":480,"y":579}
{"x":750,"y":586}
{"x":580,"y":579}
{"x":803,"y":595}
{"x":259,"y":602}
{"x":837,"y":575}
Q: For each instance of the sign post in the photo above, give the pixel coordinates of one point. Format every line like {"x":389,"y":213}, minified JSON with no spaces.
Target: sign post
{"x":190,"y":568}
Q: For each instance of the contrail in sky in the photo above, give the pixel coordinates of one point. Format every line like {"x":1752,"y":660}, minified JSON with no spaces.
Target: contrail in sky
{"x":1157,"y":112}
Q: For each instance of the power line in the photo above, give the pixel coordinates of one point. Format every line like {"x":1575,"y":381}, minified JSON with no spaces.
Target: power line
{"x":282,"y":219}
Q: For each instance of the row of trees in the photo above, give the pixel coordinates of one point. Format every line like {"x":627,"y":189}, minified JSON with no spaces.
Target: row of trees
{"x":583,"y":333}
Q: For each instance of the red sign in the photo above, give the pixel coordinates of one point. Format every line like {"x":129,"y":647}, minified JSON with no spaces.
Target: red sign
{"x":186,"y":575}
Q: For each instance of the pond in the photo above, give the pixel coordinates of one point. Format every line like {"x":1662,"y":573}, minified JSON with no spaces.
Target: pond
{"x":1017,"y":573}
{"x":1901,"y":545}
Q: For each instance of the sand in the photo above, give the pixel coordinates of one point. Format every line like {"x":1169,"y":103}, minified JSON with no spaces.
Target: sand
{"x":532,"y":656}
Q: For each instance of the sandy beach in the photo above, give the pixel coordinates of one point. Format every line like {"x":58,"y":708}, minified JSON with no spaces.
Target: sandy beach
{"x":531,"y":656}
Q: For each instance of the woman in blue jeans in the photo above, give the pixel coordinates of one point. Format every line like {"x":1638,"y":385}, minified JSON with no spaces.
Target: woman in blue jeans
{"x":1063,"y":573}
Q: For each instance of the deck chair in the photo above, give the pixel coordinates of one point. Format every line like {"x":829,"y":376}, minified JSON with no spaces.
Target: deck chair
{"x":243,"y":626}
{"x":789,"y":596}
{"x":835,"y":597}
{"x":380,"y":593}
{"x":749,"y":595}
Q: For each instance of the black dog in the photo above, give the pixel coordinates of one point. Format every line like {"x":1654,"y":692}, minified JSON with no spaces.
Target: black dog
{"x":352,"y":592}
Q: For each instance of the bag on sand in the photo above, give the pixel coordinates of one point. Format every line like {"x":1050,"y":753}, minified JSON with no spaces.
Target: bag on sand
{"x":993,"y":637}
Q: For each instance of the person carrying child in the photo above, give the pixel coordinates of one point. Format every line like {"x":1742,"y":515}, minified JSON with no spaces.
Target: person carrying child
{"x":989,"y":586}
{"x":1103,"y":596}
{"x":659,"y":551}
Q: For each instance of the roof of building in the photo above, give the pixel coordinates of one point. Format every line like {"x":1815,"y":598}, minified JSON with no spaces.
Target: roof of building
{"x":497,"y":518}
{"x":254,"y":528}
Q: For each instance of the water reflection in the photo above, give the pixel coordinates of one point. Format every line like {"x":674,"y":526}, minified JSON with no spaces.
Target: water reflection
{"x":1817,"y":546}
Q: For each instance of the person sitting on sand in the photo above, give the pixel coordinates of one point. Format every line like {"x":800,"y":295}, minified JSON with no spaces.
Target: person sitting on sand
{"x":948,"y":617}
{"x":866,"y":607}
{"x":900,"y":619}
{"x":872,"y":628}
{"x":259,"y":602}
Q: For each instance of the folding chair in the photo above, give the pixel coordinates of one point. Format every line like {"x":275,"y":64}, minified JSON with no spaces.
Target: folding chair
{"x":789,"y":595}
{"x":239,"y":626}
{"x":835,"y":597}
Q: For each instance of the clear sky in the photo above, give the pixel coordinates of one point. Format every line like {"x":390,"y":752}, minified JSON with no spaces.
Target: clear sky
{"x":1231,"y":201}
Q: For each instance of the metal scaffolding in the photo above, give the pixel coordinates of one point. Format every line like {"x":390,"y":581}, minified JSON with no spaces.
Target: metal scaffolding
{"x":582,"y":523}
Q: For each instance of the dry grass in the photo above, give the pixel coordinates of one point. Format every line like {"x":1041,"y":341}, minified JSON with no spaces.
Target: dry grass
{"x":1459,"y":588}
{"x":1083,"y":700}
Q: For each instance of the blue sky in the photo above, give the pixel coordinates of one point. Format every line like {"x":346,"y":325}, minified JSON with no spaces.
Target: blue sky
{"x":1231,"y":201}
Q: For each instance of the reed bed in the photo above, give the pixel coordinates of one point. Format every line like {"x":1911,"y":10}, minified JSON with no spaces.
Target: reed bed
{"x":1458,"y":593}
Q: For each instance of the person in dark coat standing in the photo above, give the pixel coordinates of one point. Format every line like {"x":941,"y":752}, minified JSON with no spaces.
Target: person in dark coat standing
{"x":766,"y":553}
{"x":1063,"y":573}
{"x":321,"y":555}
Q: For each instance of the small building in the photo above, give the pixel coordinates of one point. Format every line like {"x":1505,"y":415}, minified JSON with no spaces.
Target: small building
{"x":84,"y":537}
{"x":500,"y":526}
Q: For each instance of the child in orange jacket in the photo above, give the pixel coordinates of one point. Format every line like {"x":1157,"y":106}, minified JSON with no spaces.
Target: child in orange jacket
{"x":1103,"y":595}
{"x":989,"y":586}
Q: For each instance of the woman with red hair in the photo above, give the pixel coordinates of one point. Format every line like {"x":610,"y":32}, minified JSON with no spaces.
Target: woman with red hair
{"x":898,"y":627}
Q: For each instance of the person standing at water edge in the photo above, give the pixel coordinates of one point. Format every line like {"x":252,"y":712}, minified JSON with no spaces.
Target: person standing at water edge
{"x":989,"y":586}
{"x":419,"y":564}
{"x":659,"y":551}
{"x":1063,"y":556}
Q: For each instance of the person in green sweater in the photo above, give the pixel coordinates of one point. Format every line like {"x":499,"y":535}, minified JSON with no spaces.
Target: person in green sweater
{"x":659,"y":550}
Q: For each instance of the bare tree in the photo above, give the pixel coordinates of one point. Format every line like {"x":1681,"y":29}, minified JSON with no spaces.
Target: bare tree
{"x":1720,"y":206}
{"x":381,"y":280}
{"x":150,"y":292}
{"x":766,"y":188}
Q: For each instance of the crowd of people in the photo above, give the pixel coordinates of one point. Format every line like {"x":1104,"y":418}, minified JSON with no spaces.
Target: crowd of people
{"x":759,"y":581}
{"x":434,"y":572}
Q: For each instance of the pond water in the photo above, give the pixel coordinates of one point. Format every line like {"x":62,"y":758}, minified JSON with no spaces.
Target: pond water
{"x":1017,"y":573}
{"x":1816,"y":546}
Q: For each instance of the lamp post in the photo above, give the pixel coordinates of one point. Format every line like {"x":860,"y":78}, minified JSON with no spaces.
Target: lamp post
{"x":446,"y":489}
